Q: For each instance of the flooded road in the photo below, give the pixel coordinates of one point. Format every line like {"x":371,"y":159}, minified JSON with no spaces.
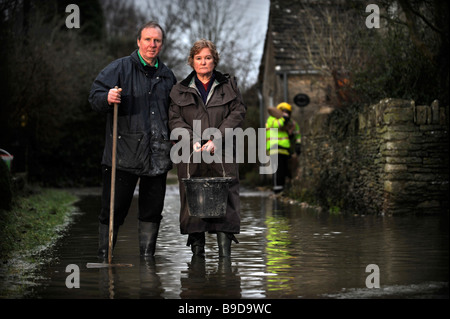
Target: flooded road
{"x":285,"y":252}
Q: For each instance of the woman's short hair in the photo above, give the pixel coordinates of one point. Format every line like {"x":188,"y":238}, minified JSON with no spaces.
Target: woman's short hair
{"x":151,"y":24}
{"x":200,"y":45}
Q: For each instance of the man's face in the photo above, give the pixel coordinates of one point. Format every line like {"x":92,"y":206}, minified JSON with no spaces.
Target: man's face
{"x":150,"y":44}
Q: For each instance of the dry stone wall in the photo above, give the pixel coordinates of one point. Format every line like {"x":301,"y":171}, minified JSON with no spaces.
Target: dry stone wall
{"x":390,"y":158}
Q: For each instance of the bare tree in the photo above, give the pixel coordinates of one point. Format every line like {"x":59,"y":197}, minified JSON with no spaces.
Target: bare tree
{"x":185,"y":21}
{"x":222,"y":22}
{"x":335,"y":41}
{"x":427,"y":22}
{"x":330,"y":38}
{"x":121,"y":18}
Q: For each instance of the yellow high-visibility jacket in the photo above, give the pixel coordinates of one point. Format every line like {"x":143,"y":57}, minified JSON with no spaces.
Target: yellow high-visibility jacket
{"x":281,"y":142}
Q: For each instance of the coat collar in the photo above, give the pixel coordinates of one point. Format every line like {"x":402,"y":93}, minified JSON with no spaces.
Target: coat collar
{"x":219,"y":77}
{"x":161,"y":70}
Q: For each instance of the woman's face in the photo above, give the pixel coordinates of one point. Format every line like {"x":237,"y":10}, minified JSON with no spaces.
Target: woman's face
{"x":204,"y":62}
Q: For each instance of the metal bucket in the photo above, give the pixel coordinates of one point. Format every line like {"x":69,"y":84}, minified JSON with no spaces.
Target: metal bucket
{"x":207,"y":197}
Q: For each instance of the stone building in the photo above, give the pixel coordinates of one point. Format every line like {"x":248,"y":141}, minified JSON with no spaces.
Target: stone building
{"x":389,"y":158}
{"x":285,"y":72}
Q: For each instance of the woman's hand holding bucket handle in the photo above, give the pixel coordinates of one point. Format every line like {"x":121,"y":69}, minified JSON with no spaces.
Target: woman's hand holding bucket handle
{"x":208,"y":147}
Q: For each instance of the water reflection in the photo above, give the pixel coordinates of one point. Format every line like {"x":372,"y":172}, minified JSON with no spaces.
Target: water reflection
{"x":285,"y":251}
{"x":278,"y":255}
{"x":207,"y":280}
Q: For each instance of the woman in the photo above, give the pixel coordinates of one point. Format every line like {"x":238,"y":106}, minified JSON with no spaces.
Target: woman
{"x":212,"y":99}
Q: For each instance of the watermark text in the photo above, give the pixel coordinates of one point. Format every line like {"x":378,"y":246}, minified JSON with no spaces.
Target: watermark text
{"x":73,"y":19}
{"x":373,"y":19}
{"x":230,"y":148}
{"x":73,"y":280}
{"x":373,"y":280}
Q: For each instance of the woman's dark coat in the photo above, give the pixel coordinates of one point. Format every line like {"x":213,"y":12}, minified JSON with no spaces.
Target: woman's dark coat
{"x":224,"y":109}
{"x":143,"y":144}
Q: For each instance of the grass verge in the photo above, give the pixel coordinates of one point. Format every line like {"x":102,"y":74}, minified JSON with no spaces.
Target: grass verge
{"x":34,"y":222}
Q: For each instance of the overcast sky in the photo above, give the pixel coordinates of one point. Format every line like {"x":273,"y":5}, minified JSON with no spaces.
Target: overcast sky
{"x":259,"y":12}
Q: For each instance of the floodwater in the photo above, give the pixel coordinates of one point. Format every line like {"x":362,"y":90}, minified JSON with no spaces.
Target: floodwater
{"x":285,"y":252}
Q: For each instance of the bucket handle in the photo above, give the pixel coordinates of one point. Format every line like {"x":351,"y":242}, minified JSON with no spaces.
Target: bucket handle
{"x":2,"y":150}
{"x":189,"y":174}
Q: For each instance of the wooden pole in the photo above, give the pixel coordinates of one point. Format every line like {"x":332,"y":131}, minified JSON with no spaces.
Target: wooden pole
{"x":113,"y":183}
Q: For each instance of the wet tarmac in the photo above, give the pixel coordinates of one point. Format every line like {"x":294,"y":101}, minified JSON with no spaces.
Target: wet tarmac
{"x":285,"y":252}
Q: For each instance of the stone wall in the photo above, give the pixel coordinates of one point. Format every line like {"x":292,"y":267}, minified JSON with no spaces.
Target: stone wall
{"x":390,"y":158}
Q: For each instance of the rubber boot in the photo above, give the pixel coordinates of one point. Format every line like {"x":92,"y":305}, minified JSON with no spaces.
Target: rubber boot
{"x":103,"y":240}
{"x":197,"y":243}
{"x":148,"y":234}
{"x":224,"y":243}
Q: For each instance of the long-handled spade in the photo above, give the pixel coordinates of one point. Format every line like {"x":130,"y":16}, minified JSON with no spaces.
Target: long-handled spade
{"x":111,"y":203}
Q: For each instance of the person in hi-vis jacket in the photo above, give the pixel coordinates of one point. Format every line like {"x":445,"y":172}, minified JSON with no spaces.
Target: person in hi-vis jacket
{"x":282,"y":142}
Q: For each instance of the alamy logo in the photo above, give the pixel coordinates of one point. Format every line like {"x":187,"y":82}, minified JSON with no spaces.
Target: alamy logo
{"x":73,"y":280}
{"x":232,"y":144}
{"x":373,"y":19}
{"x":73,"y":19}
{"x":373,"y":280}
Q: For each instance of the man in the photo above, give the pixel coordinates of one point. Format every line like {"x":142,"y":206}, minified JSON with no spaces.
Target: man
{"x":280,"y":144}
{"x":143,"y":144}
